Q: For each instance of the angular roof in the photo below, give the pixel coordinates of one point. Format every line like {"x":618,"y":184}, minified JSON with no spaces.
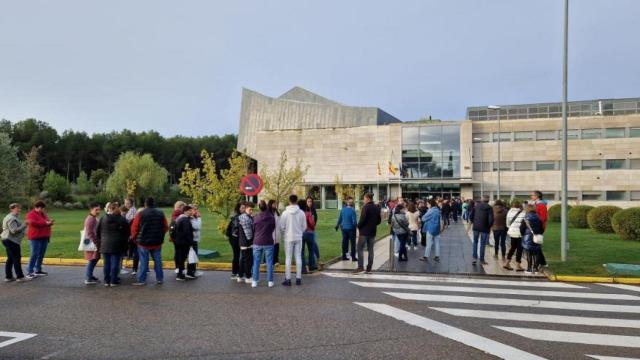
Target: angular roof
{"x":303,"y":95}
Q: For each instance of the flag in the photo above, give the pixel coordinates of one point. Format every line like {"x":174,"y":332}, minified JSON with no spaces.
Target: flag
{"x":392,"y":169}
{"x":379,"y":170}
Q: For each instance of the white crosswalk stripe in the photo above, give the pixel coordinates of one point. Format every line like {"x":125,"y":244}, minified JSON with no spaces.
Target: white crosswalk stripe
{"x":566,"y":305}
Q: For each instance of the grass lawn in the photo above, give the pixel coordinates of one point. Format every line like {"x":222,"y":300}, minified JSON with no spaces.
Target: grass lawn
{"x":66,"y":236}
{"x":588,"y":251}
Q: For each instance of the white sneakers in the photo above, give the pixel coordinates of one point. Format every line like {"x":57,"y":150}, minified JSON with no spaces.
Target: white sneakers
{"x":271,"y":284}
{"x":247,"y":281}
{"x":254,"y":284}
{"x":240,"y":279}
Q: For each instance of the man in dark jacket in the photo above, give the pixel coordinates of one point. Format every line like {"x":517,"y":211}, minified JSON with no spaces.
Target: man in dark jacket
{"x":148,"y":229}
{"x":446,"y":212}
{"x":183,"y":242}
{"x":482,"y":218}
{"x":367,"y":226}
{"x":113,"y":235}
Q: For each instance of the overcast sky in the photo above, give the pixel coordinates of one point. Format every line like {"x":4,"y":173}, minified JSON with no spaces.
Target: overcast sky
{"x":179,"y":66}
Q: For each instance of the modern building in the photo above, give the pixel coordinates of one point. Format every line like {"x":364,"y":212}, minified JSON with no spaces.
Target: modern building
{"x":367,"y":146}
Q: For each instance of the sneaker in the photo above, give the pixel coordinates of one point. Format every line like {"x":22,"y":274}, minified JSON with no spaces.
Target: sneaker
{"x":359,"y":270}
{"x":181,"y":278}
{"x":519,"y":268}
{"x":113,"y":285}
{"x":344,"y":258}
{"x":424,"y":258}
{"x":199,"y":273}
{"x":159,"y":282}
{"x":9,"y":280}
{"x":396,"y":254}
{"x":138,"y":283}
{"x":527,"y":272}
{"x":484,"y":263}
{"x":271,"y":284}
{"x":134,"y":273}
{"x":24,"y":278}
{"x":190,"y":277}
{"x":437,"y":258}
{"x":95,"y":279}
{"x":474,"y":262}
{"x":368,"y":271}
{"x":32,"y":275}
{"x":124,"y":271}
{"x":254,"y":284}
{"x":247,"y":281}
{"x":298,"y":281}
{"x":177,"y":271}
{"x":277,"y":263}
{"x":507,"y":267}
{"x":233,"y":276}
{"x":354,"y":259}
{"x":90,"y":282}
{"x":286,"y":283}
{"x":41,"y":273}
{"x":240,"y":279}
{"x":106,"y":284}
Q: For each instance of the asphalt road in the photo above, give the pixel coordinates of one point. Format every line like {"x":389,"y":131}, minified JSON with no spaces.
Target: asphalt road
{"x":327,"y":317}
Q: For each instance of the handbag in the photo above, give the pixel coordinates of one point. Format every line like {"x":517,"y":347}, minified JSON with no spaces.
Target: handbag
{"x":193,"y":257}
{"x":537,"y":238}
{"x":85,"y":243}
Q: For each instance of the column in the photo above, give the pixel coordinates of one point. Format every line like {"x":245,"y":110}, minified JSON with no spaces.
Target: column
{"x":322,"y":197}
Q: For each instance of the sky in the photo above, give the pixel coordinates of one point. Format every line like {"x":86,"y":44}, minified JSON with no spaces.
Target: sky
{"x":179,"y":67}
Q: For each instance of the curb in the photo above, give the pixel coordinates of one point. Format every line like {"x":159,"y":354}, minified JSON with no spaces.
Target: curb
{"x":592,"y":279}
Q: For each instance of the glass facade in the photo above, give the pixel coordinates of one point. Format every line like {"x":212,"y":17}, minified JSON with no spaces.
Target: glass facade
{"x":431,"y":152}
{"x":425,"y":191}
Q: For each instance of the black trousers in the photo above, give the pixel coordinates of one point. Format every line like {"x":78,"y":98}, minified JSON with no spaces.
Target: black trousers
{"x":175,"y":255}
{"x":134,"y":255}
{"x":182,"y":253}
{"x":402,"y":255}
{"x":276,"y":253}
{"x":235,"y":262}
{"x":423,"y":239}
{"x":14,"y":257}
{"x":542,"y":261}
{"x":532,"y":260}
{"x":246,"y":263}
{"x":516,"y":247}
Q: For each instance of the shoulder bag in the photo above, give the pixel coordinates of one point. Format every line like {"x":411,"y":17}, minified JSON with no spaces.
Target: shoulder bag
{"x":537,"y":238}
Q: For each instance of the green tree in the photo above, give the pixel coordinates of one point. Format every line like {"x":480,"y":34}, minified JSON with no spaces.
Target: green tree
{"x":219,"y":192}
{"x":56,"y":185}
{"x":12,"y":171}
{"x":34,"y":172}
{"x":83,"y":185}
{"x":280,"y":182}
{"x":136,"y":176}
{"x":99,"y":179}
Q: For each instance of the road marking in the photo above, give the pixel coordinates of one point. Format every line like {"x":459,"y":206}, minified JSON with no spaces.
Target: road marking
{"x":551,"y":319}
{"x":600,"y":357}
{"x":517,"y":302}
{"x":17,"y":337}
{"x":623,"y":287}
{"x":574,"y":337}
{"x":481,"y":343}
{"x":454,"y":280}
{"x":497,"y":291}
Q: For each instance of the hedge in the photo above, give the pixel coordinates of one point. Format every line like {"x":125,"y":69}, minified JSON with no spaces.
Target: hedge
{"x":578,"y":216}
{"x":554,"y":212}
{"x":626,"y":223}
{"x":599,"y":219}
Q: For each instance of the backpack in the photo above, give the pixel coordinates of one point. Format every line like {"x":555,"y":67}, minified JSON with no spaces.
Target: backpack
{"x":173,"y":229}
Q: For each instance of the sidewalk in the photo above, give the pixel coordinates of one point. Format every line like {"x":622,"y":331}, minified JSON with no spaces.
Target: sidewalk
{"x":380,"y":257}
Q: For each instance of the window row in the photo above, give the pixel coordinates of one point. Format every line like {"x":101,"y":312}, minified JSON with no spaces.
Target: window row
{"x":613,"y":195}
{"x":572,"y":134}
{"x":608,"y":164}
{"x":554,"y":110}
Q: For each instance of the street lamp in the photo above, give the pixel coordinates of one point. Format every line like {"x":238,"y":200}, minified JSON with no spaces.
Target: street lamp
{"x":497,"y":109}
{"x":481,"y":169}
{"x":565,"y":181}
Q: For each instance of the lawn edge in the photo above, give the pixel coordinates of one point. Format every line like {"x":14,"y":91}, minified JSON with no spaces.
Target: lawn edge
{"x":592,"y":279}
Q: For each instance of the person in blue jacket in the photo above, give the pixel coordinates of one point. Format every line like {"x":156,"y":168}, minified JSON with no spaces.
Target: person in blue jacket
{"x":431,"y":226}
{"x":348,"y":221}
{"x":531,"y":225}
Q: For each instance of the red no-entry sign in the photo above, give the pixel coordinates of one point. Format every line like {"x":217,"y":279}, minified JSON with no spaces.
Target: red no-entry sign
{"x":251,"y":185}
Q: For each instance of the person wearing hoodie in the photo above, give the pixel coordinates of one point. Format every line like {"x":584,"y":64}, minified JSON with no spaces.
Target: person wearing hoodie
{"x":530,"y":226}
{"x":499,"y":228}
{"x":482,"y":219}
{"x":431,"y":226}
{"x":293,"y":224}
{"x":347,"y":222}
{"x":264,"y":225}
{"x":232,"y":236}
{"x":515,"y":216}
{"x":38,"y":234}
{"x":367,"y":226}
{"x":400,"y":225}
{"x":113,"y":235}
{"x":183,"y":242}
{"x":245,"y":240}
{"x":13,"y":231}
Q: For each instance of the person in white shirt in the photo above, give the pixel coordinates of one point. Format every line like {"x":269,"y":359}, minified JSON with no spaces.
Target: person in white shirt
{"x":196,"y":224}
{"x":292,"y":225}
{"x":515,"y":216}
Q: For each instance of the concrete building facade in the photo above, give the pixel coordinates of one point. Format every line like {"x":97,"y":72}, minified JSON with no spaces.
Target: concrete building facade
{"x":363,"y":145}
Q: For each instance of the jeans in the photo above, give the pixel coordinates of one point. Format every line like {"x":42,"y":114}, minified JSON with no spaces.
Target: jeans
{"x":315,"y":248}
{"x":91,"y":265}
{"x":465,"y":215}
{"x":483,"y":243}
{"x":396,"y":243}
{"x":111,"y":268}
{"x":432,"y":240}
{"x":38,"y":249}
{"x":368,"y":241}
{"x":235,"y":262}
{"x":402,"y":254}
{"x":413,"y":241}
{"x":258,"y":250}
{"x":349,"y":238}
{"x":293,"y":248}
{"x":308,"y":241}
{"x":500,"y":238}
{"x":156,"y":255}
{"x":14,"y":257}
{"x":516,"y":247}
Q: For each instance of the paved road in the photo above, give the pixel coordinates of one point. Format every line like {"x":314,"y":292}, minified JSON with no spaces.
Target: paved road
{"x":332,"y":316}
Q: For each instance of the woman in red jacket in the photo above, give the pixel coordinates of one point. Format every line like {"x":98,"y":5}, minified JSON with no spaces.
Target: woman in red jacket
{"x":39,"y":234}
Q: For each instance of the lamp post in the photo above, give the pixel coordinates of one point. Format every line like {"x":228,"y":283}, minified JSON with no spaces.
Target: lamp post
{"x":565,"y":181}
{"x":481,"y":169}
{"x":497,"y":109}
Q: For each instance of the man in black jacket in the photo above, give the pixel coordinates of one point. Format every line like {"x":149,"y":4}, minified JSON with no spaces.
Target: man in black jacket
{"x":184,"y":242}
{"x":482,"y":218}
{"x":367,"y":226}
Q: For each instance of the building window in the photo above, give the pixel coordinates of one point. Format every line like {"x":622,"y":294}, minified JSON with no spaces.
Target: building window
{"x":573,"y":195}
{"x":522,"y":196}
{"x":572,"y":134}
{"x":572,"y":164}
{"x":504,"y":136}
{"x":616,"y":195}
{"x":481,"y":137}
{"x":634,"y":164}
{"x":481,"y":167}
{"x":634,"y":132}
{"x":546,"y":135}
{"x":523,"y":165}
{"x":591,"y":165}
{"x":591,"y":133}
{"x":614,"y":133}
{"x":523,"y":135}
{"x":545,"y":165}
{"x":410,"y":135}
{"x":504,"y":166}
{"x":615,"y":164}
{"x":549,"y":195}
{"x":635,"y":196}
{"x":592,"y":195}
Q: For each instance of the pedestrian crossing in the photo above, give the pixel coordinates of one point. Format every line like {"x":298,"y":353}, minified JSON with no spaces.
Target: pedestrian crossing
{"x":604,"y":317}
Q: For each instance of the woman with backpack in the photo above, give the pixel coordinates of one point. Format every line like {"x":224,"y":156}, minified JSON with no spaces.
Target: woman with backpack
{"x":515,"y":216}
{"x":400,"y":226}
{"x":531,"y":228}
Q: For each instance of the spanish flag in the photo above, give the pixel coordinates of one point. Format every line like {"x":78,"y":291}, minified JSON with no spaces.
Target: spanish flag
{"x":392,"y":169}
{"x":379,"y":170}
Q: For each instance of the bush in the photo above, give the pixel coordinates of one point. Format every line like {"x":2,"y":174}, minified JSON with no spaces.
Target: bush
{"x":626,"y":223}
{"x":102,"y":198}
{"x":578,"y":216}
{"x":58,"y":204}
{"x":68,"y":206}
{"x":78,"y":205}
{"x":599,"y":219}
{"x":57,"y":186}
{"x":554,"y":214}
